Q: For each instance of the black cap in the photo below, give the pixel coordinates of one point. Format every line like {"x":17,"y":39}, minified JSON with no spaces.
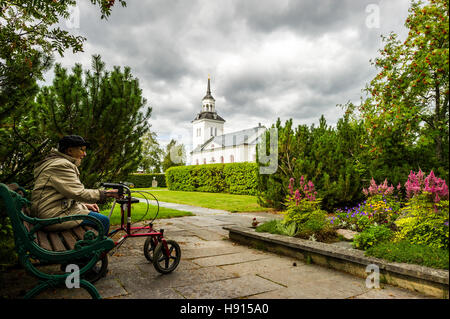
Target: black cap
{"x":71,"y":141}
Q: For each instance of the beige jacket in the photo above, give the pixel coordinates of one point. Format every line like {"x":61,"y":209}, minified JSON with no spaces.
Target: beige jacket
{"x":58,"y":191}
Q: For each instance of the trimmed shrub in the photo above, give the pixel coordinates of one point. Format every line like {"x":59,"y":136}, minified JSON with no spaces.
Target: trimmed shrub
{"x":234,"y":178}
{"x":145,"y":180}
{"x":241,"y":179}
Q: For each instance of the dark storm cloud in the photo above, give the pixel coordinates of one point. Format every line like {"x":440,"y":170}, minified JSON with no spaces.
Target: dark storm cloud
{"x":310,"y":17}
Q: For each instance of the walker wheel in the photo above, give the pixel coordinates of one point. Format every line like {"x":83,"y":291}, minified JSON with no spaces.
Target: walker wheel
{"x":164,"y":263}
{"x":149,"y":248}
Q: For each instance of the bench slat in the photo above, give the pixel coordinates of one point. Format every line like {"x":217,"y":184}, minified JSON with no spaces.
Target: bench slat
{"x":56,"y":241}
{"x":69,"y":238}
{"x":43,"y":240}
{"x":79,"y":232}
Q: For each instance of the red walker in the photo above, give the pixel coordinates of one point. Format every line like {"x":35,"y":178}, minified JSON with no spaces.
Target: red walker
{"x":164,"y":254}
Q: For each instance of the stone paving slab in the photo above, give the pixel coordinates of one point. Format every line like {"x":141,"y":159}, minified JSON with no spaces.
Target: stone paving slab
{"x":192,"y":253}
{"x":230,"y":258}
{"x":390,"y":292}
{"x":304,"y":291}
{"x":207,"y":234}
{"x":260,"y":266}
{"x":228,"y":289}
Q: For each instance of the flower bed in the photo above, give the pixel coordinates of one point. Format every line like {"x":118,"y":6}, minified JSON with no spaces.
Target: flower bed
{"x":414,"y":216}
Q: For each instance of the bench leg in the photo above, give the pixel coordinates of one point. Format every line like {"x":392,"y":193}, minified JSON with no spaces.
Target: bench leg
{"x":37,"y":290}
{"x":90,"y":288}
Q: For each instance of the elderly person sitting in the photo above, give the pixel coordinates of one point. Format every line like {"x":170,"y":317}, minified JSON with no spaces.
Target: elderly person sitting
{"x":58,"y":191}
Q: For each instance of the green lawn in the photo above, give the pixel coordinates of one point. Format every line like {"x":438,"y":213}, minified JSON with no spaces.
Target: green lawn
{"x":228,"y":202}
{"x":139,"y":211}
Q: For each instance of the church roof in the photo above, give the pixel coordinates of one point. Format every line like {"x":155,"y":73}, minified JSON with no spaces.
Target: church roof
{"x":209,"y":116}
{"x":247,"y":136}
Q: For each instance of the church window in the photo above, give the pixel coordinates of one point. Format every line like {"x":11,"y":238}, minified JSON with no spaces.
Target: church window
{"x":215,"y":131}
{"x":211,"y":131}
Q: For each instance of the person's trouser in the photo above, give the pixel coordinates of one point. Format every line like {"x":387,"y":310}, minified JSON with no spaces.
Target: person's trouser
{"x":102,"y":218}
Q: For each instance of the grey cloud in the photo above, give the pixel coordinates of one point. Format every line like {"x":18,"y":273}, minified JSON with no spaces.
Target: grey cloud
{"x":308,"y":17}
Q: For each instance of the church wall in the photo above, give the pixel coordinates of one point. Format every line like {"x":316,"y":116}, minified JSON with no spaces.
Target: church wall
{"x":205,"y":127}
{"x":241,"y":153}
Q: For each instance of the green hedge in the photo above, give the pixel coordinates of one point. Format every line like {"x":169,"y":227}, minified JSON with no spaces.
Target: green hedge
{"x":145,"y":180}
{"x":233,"y":178}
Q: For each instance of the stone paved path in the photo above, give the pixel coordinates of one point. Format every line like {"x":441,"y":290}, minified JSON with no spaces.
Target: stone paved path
{"x":212,"y":267}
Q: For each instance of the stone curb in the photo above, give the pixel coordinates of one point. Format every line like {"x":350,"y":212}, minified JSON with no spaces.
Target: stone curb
{"x":414,"y":277}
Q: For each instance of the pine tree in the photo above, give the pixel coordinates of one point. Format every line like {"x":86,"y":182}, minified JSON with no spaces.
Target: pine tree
{"x":106,"y":108}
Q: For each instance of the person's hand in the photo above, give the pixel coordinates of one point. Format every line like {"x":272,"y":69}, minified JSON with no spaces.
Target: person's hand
{"x":92,"y":207}
{"x":113,"y":193}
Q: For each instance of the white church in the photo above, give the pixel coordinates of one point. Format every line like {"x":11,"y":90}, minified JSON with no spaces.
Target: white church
{"x":211,"y":145}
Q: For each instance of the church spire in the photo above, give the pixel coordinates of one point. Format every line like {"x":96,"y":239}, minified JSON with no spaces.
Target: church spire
{"x":208,"y":91}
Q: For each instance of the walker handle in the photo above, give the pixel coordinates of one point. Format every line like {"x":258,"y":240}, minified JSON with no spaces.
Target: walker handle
{"x":117,"y":186}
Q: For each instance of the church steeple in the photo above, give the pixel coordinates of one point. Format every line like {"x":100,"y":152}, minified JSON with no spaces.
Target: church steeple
{"x":207,"y":123}
{"x":209,"y":106}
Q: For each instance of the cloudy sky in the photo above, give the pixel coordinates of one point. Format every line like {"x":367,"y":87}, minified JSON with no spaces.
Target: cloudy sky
{"x":267,"y":58}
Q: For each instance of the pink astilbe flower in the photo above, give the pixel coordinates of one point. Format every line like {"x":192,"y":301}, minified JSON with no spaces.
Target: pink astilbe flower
{"x":291,"y":185}
{"x":417,"y":184}
{"x":302,"y":181}
{"x":414,"y":184}
{"x":297,"y":196}
{"x":305,"y":191}
{"x":375,"y":189}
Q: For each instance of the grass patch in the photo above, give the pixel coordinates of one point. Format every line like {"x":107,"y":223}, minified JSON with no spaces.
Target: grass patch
{"x":223,"y":201}
{"x":268,"y":227}
{"x":139,"y":211}
{"x":405,"y":252}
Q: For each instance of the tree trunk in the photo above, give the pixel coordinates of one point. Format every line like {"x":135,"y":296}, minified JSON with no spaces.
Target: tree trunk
{"x":437,"y":117}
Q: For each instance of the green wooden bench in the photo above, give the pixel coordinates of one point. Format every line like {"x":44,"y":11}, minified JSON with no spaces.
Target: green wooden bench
{"x":82,"y":245}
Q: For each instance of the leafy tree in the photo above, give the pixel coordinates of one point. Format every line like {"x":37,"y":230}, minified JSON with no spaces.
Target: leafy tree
{"x":106,"y":108}
{"x":151,"y":154}
{"x":407,"y":108}
{"x":175,"y":155}
{"x":29,"y":35}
